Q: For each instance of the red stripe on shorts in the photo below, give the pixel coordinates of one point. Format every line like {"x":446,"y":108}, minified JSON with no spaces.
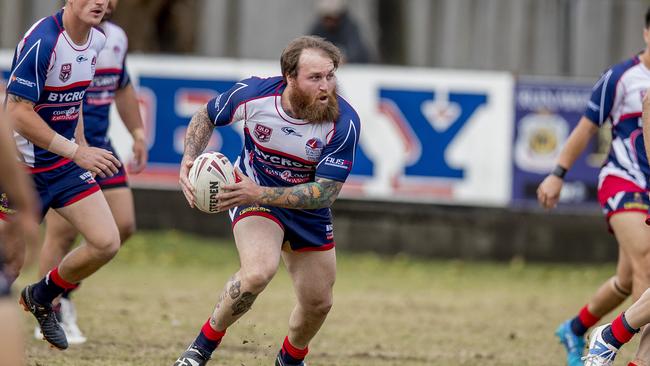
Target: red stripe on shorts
{"x":82,"y":195}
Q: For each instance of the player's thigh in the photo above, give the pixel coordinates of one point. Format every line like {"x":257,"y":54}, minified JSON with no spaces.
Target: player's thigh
{"x":631,"y":232}
{"x":313,"y":273}
{"x":120,"y":200}
{"x":624,"y":269}
{"x":93,"y":219}
{"x":58,"y":228}
{"x":259,"y":243}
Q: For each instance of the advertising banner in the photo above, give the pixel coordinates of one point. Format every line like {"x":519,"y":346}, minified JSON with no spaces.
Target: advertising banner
{"x":545,"y":114}
{"x":427,"y":135}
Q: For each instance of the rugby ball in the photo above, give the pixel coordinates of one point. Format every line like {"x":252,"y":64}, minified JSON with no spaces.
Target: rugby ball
{"x":209,"y":173}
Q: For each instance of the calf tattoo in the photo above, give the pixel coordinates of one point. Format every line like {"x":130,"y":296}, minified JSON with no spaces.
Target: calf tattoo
{"x":235,"y":289}
{"x":244,"y":303}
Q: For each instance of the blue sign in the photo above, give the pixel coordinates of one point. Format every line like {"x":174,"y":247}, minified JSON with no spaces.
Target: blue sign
{"x":545,"y":115}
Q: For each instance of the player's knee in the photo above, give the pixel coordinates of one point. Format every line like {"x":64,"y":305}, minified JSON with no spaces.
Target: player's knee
{"x":318,"y":306}
{"x":127,"y":229}
{"x":107,"y":246}
{"x":256,"y":280}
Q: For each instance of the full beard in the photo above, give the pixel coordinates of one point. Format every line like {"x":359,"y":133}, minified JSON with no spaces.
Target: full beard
{"x":311,"y":109}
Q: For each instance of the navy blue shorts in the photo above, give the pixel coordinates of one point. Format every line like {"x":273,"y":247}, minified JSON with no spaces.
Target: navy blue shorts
{"x":116,"y":181}
{"x":303,"y":229}
{"x":63,"y":186}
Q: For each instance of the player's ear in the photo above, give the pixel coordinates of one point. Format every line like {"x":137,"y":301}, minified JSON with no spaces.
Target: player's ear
{"x":291,"y":80}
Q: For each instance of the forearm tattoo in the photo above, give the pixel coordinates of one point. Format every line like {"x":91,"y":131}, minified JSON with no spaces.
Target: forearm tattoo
{"x":198,"y":133}
{"x":318,"y":194}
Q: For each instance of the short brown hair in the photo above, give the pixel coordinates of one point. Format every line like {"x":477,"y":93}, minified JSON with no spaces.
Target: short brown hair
{"x":291,"y":54}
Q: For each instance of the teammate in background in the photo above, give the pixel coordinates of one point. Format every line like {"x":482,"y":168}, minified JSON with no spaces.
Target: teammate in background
{"x":606,"y":340}
{"x":300,"y":139}
{"x":622,"y":189}
{"x":111,"y":82}
{"x":52,"y":67}
{"x":24,"y":224}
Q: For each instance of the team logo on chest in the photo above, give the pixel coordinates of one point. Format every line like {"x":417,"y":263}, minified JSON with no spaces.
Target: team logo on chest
{"x":66,"y":71}
{"x":262,"y":133}
{"x":314,"y":148}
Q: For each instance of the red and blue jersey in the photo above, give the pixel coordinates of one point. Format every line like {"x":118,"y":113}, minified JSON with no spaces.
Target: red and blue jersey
{"x":110,"y":76}
{"x":54,"y":73}
{"x":618,"y":97}
{"x":281,"y":151}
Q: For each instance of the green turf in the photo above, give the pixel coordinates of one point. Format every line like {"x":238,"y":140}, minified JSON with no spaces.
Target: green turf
{"x":149,"y":303}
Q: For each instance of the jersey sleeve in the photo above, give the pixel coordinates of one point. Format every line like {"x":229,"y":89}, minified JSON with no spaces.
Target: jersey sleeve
{"x":338,"y":155}
{"x":29,"y":68}
{"x":125,"y":79}
{"x":229,"y":107}
{"x":603,"y":97}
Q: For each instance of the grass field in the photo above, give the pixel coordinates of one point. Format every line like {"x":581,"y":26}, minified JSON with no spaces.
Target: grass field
{"x":149,"y":303}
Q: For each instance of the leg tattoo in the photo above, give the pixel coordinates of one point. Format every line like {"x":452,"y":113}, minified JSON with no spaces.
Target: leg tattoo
{"x":243,"y":304}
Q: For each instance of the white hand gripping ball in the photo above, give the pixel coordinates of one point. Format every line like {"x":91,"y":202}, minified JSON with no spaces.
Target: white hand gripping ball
{"x":209,"y":173}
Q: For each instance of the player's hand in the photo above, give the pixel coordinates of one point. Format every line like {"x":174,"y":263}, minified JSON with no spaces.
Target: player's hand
{"x":244,"y":192}
{"x":140,"y":156}
{"x":548,"y":192}
{"x":184,"y":180}
{"x":95,"y":160}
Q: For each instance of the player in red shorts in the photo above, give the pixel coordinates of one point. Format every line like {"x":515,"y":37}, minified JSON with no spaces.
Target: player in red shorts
{"x":111,"y":83}
{"x":299,"y":144}
{"x":622,"y":188}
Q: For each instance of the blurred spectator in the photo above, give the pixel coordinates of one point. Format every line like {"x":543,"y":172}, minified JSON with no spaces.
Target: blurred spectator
{"x":159,"y":25}
{"x":335,"y":24}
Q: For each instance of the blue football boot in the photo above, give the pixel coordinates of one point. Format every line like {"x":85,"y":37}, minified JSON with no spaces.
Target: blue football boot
{"x":573,"y":344}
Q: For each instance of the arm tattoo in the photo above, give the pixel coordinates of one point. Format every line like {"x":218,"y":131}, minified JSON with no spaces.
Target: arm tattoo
{"x":16,"y":99}
{"x":321,"y":193}
{"x":198,"y":133}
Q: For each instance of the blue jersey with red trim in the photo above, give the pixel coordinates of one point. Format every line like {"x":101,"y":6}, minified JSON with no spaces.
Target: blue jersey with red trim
{"x":110,"y":76}
{"x":618,"y":97}
{"x":54,"y":73}
{"x":279,"y":150}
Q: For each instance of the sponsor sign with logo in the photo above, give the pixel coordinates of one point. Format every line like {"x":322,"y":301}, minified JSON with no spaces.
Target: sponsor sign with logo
{"x":545,"y":115}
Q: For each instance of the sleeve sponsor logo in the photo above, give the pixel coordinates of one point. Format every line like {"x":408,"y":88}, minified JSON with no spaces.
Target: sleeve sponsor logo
{"x":338,"y":163}
{"x":24,"y":82}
